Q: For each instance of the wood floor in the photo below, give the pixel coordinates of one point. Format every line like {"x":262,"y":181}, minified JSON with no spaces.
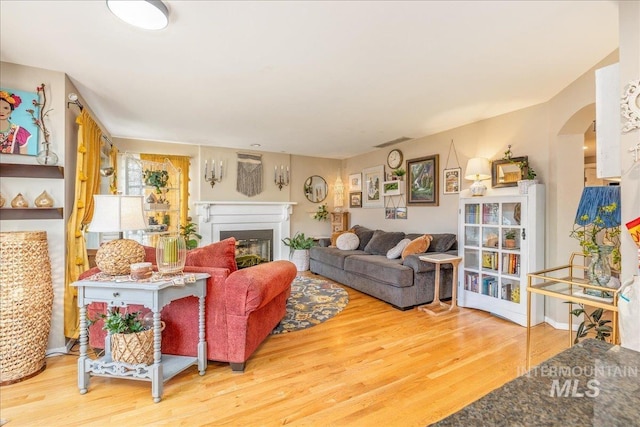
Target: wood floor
{"x":370,"y":365}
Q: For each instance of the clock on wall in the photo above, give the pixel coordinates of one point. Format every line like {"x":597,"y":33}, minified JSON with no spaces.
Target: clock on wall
{"x":394,"y":159}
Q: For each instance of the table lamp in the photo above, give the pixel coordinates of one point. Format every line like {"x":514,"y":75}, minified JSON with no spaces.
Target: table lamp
{"x":118,"y":213}
{"x":478,"y":169}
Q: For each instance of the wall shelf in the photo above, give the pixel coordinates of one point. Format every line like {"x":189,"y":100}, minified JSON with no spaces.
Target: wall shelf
{"x":31,"y":171}
{"x":30,"y":213}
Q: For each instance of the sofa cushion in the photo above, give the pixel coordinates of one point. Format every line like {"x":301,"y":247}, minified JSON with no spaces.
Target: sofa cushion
{"x":396,"y":251}
{"x":417,"y":246}
{"x":347,"y":241}
{"x":380,"y":269}
{"x":364,"y":234}
{"x":333,"y":257}
{"x":442,"y":242}
{"x":219,"y":254}
{"x":382,"y":241}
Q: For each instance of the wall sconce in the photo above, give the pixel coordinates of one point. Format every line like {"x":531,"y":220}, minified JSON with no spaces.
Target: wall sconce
{"x":73,"y":99}
{"x":338,"y":195}
{"x":281,"y":179}
{"x":215,"y":176}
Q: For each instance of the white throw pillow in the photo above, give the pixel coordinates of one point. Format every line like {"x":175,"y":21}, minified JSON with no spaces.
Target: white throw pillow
{"x":396,"y":251}
{"x":347,"y":241}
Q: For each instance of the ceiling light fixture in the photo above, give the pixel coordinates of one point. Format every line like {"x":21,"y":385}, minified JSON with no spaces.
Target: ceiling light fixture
{"x":145,"y":14}
{"x":256,"y":145}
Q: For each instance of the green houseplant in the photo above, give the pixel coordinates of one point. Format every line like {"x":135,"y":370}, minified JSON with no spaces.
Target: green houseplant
{"x":510,"y":239}
{"x":131,"y":337}
{"x":156,"y":178}
{"x":592,"y":322}
{"x":299,"y":245}
{"x":400,"y":172}
{"x":322,"y":213}
{"x":190,"y":235}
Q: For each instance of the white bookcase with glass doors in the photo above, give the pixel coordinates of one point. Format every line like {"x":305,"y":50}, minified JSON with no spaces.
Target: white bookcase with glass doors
{"x":501,"y":240}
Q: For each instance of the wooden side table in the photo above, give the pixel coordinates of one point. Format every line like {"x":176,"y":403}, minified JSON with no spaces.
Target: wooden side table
{"x":153,"y":295}
{"x":435,"y":307}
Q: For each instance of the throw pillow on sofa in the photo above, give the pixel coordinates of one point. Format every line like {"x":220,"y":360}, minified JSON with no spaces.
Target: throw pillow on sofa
{"x":219,"y":254}
{"x":396,"y":251}
{"x":347,"y":241}
{"x":442,"y":242}
{"x":364,"y":234}
{"x":382,"y":241}
{"x":417,"y":246}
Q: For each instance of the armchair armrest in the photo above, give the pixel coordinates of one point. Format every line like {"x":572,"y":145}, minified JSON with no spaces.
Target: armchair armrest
{"x":251,"y":288}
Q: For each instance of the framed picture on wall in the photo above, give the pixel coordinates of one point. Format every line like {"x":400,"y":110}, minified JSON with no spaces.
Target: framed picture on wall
{"x":355,"y":182}
{"x":355,"y":199}
{"x":372,"y":179}
{"x":422,"y":181}
{"x":451,"y":180}
{"x":20,"y":133}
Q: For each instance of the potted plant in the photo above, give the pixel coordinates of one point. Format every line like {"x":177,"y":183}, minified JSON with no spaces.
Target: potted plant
{"x":131,"y":336}
{"x":510,"y":239}
{"x":191,"y":238}
{"x":299,"y":245}
{"x":322,"y":213}
{"x":593,"y":321}
{"x":399,"y":173}
{"x":156,"y":178}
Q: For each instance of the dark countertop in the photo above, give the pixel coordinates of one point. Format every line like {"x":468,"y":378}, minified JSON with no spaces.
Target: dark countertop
{"x":591,"y":384}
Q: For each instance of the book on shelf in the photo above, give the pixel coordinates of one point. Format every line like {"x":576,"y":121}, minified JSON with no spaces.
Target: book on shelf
{"x":511,"y":264}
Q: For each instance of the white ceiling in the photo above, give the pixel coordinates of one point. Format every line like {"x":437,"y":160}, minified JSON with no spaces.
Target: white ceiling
{"x":325,"y":78}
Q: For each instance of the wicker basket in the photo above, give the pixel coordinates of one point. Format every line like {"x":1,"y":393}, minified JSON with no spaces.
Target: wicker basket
{"x":133,"y":348}
{"x":26,"y":300}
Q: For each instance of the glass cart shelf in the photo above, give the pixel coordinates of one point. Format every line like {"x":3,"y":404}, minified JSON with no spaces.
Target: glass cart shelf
{"x":568,"y":283}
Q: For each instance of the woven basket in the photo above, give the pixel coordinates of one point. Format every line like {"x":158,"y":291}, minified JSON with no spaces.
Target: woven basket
{"x":115,"y":257}
{"x":26,"y":300}
{"x":133,"y":348}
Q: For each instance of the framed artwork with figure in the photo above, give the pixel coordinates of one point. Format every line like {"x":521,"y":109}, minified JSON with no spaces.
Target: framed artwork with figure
{"x":422,"y":181}
{"x":372,"y":179}
{"x":18,"y":132}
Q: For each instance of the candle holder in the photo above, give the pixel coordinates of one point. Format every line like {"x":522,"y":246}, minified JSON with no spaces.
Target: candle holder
{"x":213,"y":177}
{"x":281,"y":179}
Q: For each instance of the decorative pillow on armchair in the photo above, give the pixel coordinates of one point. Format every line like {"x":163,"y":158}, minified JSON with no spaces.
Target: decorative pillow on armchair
{"x":219,"y":254}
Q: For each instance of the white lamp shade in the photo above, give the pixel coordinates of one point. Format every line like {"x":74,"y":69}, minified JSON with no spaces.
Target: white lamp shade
{"x":145,"y":14}
{"x":113,"y":213}
{"x":478,"y":168}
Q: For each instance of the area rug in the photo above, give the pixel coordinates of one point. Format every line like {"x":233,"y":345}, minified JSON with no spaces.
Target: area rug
{"x":312,"y":302}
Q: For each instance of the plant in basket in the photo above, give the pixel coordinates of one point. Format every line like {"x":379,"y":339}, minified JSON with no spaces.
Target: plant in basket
{"x":131,"y":336}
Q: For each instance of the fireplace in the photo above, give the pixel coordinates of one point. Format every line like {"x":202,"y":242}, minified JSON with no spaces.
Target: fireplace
{"x":219,"y":219}
{"x":253,"y":247}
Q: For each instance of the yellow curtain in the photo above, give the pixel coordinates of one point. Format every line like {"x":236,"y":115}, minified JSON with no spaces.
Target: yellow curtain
{"x":113,"y":183}
{"x":87,"y":184}
{"x":182,"y":164}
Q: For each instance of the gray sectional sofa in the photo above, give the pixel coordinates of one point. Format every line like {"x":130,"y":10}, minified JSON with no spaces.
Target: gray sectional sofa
{"x":402,"y":283}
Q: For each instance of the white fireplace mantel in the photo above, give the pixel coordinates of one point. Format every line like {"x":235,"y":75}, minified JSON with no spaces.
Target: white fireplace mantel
{"x":215,"y":216}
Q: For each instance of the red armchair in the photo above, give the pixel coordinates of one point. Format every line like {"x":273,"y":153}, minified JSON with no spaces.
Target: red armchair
{"x":241,"y":308}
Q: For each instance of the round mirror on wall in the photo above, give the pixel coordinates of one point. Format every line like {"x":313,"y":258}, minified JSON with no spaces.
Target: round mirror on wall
{"x":315,"y":189}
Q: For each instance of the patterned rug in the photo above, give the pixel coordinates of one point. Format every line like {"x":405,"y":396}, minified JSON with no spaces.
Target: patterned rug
{"x":312,"y":302}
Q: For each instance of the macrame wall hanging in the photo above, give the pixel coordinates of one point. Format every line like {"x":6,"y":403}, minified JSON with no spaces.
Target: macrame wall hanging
{"x":452,"y":177}
{"x":249,"y":174}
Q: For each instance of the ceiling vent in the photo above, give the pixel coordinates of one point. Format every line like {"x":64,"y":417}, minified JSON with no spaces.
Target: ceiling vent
{"x":394,"y":141}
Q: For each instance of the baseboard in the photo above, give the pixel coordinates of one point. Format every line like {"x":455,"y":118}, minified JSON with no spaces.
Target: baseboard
{"x":59,"y":351}
{"x":560,"y":325}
